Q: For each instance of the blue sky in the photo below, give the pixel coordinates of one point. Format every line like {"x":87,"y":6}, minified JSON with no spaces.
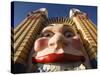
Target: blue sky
{"x":21,"y":9}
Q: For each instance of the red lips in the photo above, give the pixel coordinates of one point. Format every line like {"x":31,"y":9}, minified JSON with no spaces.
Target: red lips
{"x":54,"y":58}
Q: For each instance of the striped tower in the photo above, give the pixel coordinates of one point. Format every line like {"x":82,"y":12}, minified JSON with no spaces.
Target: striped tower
{"x":23,"y":38}
{"x":88,"y":32}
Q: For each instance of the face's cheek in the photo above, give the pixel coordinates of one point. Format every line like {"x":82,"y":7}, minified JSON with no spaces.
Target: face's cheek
{"x":76,"y":43}
{"x":40,"y":44}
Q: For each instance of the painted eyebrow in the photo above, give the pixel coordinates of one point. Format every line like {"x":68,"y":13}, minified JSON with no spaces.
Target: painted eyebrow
{"x":46,"y":29}
{"x":66,"y":26}
{"x":69,"y":28}
{"x":50,"y":25}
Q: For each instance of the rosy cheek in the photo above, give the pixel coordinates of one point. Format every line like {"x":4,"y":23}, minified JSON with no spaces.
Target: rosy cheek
{"x":40,"y":44}
{"x":76,"y":43}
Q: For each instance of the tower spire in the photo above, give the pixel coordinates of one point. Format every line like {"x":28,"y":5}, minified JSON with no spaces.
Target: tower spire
{"x":24,"y":37}
{"x":87,"y":30}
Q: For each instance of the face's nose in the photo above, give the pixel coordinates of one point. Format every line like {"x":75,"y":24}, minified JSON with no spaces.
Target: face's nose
{"x":57,"y":41}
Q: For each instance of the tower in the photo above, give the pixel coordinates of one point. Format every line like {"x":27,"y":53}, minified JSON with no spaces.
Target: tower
{"x":88,"y":32}
{"x":23,"y":37}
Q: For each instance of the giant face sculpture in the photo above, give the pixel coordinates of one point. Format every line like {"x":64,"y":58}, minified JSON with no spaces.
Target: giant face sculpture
{"x":58,"y":48}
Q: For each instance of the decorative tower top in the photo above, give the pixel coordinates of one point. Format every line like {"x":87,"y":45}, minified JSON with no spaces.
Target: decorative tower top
{"x":41,"y":10}
{"x":73,"y":12}
{"x":44,"y":11}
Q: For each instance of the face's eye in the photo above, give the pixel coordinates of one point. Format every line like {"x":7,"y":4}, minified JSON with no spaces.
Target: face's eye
{"x":47,"y":34}
{"x":68,"y":34}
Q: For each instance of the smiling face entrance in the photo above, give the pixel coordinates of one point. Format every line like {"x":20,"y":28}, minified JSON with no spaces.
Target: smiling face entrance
{"x":58,"y":43}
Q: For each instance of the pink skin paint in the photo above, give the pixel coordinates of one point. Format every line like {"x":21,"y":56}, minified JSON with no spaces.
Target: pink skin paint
{"x":61,"y":48}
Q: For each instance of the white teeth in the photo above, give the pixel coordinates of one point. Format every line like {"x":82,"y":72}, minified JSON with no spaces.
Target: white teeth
{"x":45,"y":67}
{"x":54,"y":67}
{"x":82,"y":67}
